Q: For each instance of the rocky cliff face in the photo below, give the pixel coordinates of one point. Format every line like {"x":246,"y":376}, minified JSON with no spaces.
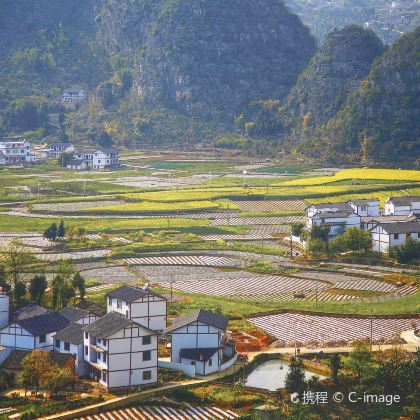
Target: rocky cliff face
{"x":211,"y":58}
{"x":382,"y":116}
{"x":337,"y":68}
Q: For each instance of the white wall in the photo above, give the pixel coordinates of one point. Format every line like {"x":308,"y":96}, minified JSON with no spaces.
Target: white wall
{"x":4,"y":309}
{"x":77,"y":351}
{"x":15,"y":336}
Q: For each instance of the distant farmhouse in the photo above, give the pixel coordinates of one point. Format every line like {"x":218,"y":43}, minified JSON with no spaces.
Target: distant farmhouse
{"x":73,"y":97}
{"x":390,"y":227}
{"x":15,"y":150}
{"x":104,"y":158}
{"x":56,"y":149}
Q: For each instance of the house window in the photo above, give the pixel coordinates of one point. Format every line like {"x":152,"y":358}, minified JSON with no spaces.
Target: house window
{"x":104,"y":357}
{"x":192,"y":363}
{"x":42,"y":338}
{"x":147,"y":375}
{"x":104,"y":376}
{"x":147,"y":340}
{"x":57,"y":343}
{"x":210,"y":362}
{"x":99,"y":341}
{"x":86,"y":350}
{"x":66,"y":346}
{"x":104,"y":342}
{"x":86,"y":335}
{"x":126,"y":314}
{"x":119,"y":304}
{"x":364,"y":208}
{"x":396,"y":235}
{"x":110,"y":301}
{"x":99,"y":356}
{"x":147,"y":355}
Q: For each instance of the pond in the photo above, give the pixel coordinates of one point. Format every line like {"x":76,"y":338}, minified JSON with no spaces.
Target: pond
{"x":270,"y":376}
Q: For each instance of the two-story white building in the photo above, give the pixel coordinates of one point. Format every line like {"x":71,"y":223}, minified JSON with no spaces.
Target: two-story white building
{"x":121,"y":352}
{"x":199,"y":339}
{"x":387,"y":235}
{"x":73,"y":97}
{"x":106,"y":158}
{"x":367,"y":207}
{"x":402,"y":206}
{"x":80,"y":316}
{"x":35,"y":332}
{"x":16,"y":150}
{"x":70,"y":340}
{"x":338,"y":221}
{"x":143,"y":306}
{"x":56,"y":149}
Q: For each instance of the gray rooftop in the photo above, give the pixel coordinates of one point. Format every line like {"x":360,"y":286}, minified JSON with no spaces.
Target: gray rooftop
{"x":403,"y":201}
{"x":29,"y":311}
{"x":200,"y":315}
{"x":362,"y":202}
{"x":341,"y":206}
{"x":401,"y":227}
{"x":131,"y":293}
{"x":334,"y":215}
{"x":73,"y":334}
{"x":201,"y":354}
{"x":46,"y":323}
{"x":73,"y":314}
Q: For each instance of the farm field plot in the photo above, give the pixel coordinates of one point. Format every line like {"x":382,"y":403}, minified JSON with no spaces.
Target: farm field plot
{"x":155,"y":181}
{"x":164,"y":274}
{"x":75,"y":255}
{"x":252,"y":221}
{"x":359,"y":173}
{"x":73,"y":206}
{"x":348,"y":282}
{"x":160,"y":412}
{"x":271,"y":205}
{"x":328,"y":329}
{"x":257,"y":285}
{"x":248,"y":237}
{"x":108,"y":273}
{"x":195,"y":260}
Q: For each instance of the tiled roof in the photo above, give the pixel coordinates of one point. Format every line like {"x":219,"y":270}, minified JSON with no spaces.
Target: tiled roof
{"x":91,"y":307}
{"x":131,"y":293}
{"x":203,"y":354}
{"x":73,"y":334}
{"x":73,"y":314}
{"x":340,"y":206}
{"x":200,"y":315}
{"x":44,"y":324}
{"x":401,"y":227}
{"x":109,"y":324}
{"x":362,"y":202}
{"x":29,"y":311}
{"x":14,"y":360}
{"x":333,"y":215}
{"x":403,"y":201}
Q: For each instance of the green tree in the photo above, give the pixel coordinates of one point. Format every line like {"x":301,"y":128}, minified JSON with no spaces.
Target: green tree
{"x":58,"y":379}
{"x":19,"y":291}
{"x":335,"y":366}
{"x":78,"y":283}
{"x":65,"y":158}
{"x":356,"y":239}
{"x":105,"y":140}
{"x":360,"y":360}
{"x":297,"y":229}
{"x":38,"y":287}
{"x":36,"y":367}
{"x":61,"y":232}
{"x":316,"y":247}
{"x":295,"y":378}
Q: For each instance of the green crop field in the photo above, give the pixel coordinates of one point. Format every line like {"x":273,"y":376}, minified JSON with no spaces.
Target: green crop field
{"x":356,"y":173}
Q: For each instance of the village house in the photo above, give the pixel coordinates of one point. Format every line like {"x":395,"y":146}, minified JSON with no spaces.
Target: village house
{"x":73,"y":97}
{"x":199,"y":339}
{"x":120,"y":352}
{"x":16,"y":150}
{"x":402,"y":206}
{"x":4,"y":307}
{"x":367,"y":207}
{"x":338,"y":221}
{"x":143,"y":306}
{"x":70,"y":341}
{"x":369,"y":222}
{"x":56,"y":149}
{"x":387,"y":235}
{"x":35,"y":332}
{"x":29,"y":311}
{"x":80,"y":316}
{"x":90,"y":307}
{"x":77,"y":165}
{"x":106,"y":158}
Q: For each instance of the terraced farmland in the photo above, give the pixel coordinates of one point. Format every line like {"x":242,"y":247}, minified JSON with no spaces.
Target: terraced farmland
{"x":289,"y":327}
{"x":160,"y":412}
{"x":194,"y":260}
{"x":271,"y":205}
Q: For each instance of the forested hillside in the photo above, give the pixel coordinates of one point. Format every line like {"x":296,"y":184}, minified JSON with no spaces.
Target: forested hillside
{"x":236,"y":74}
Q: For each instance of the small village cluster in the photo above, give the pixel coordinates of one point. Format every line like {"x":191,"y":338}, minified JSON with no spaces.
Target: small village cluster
{"x":120,"y":347}
{"x":390,"y":226}
{"x":16,"y":150}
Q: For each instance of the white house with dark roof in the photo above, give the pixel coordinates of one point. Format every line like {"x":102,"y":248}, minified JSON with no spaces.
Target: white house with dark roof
{"x":341,"y":207}
{"x":35,"y":332}
{"x":387,"y":235}
{"x":107,"y":157}
{"x":70,"y":340}
{"x":56,"y":149}
{"x":366,"y":207}
{"x":402,"y":206}
{"x":143,"y":306}
{"x":90,"y":307}
{"x":199,"y":339}
{"x":80,"y":316}
{"x":120,"y":352}
{"x":29,"y":311}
